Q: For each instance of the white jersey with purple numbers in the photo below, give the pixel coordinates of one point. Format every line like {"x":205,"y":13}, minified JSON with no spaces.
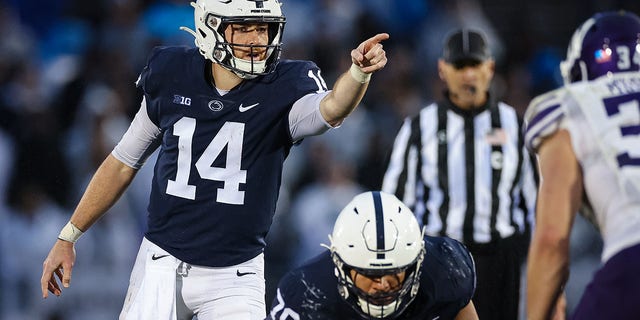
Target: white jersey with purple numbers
{"x":603,"y":119}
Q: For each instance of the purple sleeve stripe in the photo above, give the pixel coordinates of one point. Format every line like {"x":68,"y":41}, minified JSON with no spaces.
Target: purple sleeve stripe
{"x":532,"y":135}
{"x":541,"y":115}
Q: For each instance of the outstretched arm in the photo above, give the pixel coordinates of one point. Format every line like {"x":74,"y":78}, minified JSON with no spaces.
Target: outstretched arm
{"x":558,"y":201}
{"x":347,"y":92}
{"x":106,"y":186}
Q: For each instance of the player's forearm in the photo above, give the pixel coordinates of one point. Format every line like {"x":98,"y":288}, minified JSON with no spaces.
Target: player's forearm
{"x":343,"y":99}
{"x":558,"y":199}
{"x":107,"y":185}
{"x":547,"y":272}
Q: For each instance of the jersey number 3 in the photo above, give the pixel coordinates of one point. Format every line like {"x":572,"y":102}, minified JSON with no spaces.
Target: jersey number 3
{"x":230,"y":135}
{"x":625,"y":109}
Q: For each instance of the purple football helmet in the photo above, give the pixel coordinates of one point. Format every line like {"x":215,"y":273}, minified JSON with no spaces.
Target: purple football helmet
{"x":607,"y":42}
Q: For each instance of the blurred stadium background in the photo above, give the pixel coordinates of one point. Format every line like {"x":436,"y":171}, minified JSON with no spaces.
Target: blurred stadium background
{"x":67,"y":94}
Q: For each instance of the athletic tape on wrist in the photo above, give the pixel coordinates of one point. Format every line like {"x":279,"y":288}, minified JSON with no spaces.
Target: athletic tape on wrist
{"x":70,"y":233}
{"x":358,"y":75}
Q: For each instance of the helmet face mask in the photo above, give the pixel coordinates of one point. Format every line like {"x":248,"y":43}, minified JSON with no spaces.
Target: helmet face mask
{"x":212,"y":17}
{"x":608,"y":42}
{"x":379,"y":305}
{"x":376,"y":235}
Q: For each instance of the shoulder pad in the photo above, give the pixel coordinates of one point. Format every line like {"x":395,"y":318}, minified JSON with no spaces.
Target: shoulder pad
{"x":449,"y":260}
{"x":543,"y":117}
{"x":163,"y":62}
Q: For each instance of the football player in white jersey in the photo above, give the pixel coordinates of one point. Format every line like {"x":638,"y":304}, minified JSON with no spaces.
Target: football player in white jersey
{"x":587,"y":139}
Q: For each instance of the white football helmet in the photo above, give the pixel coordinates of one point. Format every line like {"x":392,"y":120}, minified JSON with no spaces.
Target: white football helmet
{"x":213,"y":16}
{"x":375,"y":235}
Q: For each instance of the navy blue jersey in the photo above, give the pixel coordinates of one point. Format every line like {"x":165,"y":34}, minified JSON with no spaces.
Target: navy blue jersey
{"x":447,"y":284}
{"x":218,"y":172}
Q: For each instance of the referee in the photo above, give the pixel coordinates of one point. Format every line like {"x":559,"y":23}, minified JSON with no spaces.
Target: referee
{"x":461,"y":166}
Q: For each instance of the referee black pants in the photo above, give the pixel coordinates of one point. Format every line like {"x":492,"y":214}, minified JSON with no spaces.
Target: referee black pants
{"x":498,"y":271}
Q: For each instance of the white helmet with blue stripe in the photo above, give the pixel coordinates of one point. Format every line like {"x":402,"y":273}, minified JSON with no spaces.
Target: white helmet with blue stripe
{"x":377,"y":235}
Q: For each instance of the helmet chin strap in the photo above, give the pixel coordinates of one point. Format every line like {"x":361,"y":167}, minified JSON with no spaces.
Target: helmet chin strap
{"x":245,"y":68}
{"x":378,"y":312}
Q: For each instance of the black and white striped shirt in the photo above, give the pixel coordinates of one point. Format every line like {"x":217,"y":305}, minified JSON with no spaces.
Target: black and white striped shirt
{"x":473,"y":199}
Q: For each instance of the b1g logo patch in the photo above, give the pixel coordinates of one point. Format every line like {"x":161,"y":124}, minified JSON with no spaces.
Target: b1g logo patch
{"x":178,"y":99}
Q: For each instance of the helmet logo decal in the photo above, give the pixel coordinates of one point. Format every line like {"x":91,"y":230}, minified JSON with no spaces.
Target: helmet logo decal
{"x":603,"y":55}
{"x":259,"y":3}
{"x":260,"y":7}
{"x":377,"y":204}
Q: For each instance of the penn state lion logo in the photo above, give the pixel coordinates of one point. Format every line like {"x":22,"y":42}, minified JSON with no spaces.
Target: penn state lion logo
{"x":215,"y":105}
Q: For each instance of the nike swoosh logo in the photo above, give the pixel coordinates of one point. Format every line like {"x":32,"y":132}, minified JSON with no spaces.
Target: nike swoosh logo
{"x":247,"y":108}
{"x":240,"y":274}
{"x":154,"y":257}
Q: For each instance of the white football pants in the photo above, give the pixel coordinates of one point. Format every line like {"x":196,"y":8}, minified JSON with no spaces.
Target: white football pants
{"x":164,"y":288}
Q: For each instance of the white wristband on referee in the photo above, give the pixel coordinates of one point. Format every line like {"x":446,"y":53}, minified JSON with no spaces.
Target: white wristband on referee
{"x":70,"y":233}
{"x":358,"y":75}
